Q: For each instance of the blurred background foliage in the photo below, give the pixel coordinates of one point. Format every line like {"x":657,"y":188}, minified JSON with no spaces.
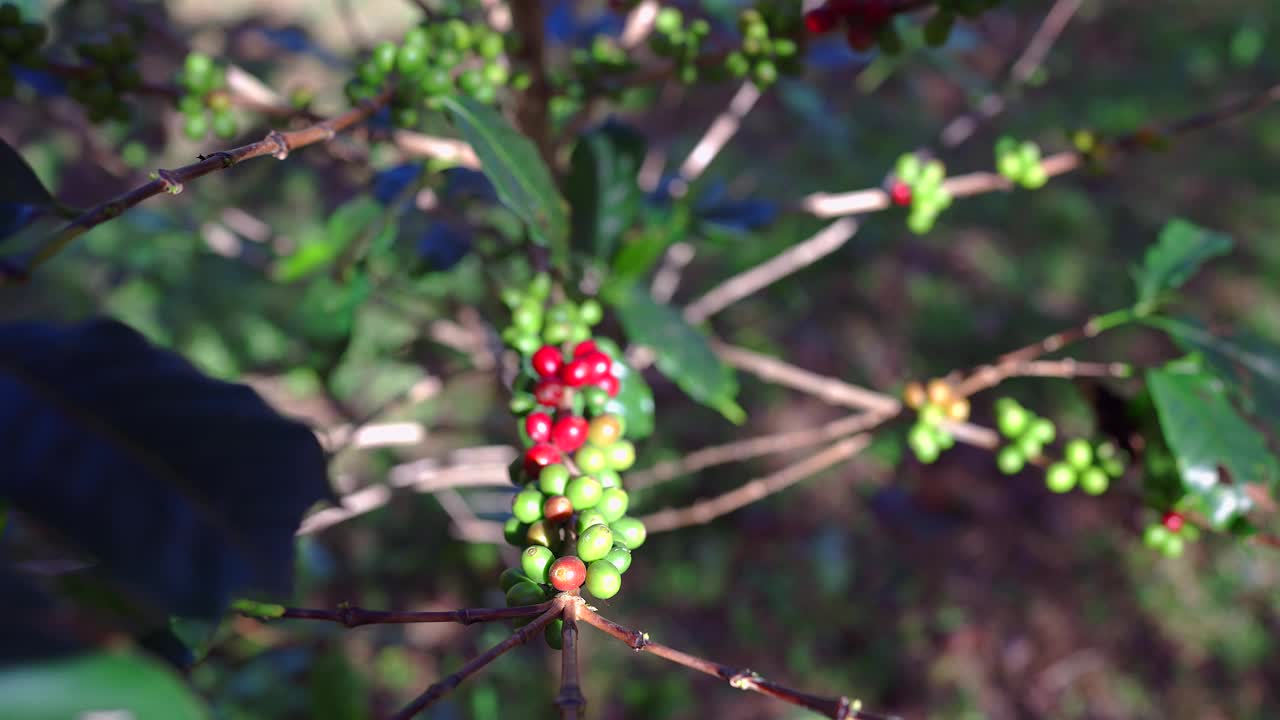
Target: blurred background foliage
{"x":944,"y":592}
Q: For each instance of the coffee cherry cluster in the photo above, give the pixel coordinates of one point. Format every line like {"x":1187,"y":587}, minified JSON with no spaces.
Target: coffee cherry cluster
{"x":866,"y":23}
{"x":109,"y":71}
{"x":1171,"y":535}
{"x":919,"y":185}
{"x":1090,"y":465}
{"x":431,"y":62}
{"x":533,"y":324}
{"x":570,"y":514}
{"x":762,"y":55}
{"x":1020,"y":162}
{"x":204,"y":103}
{"x":935,"y":404}
{"x":1027,"y":435}
{"x":20,"y":44}
{"x":680,"y":41}
{"x":593,"y":68}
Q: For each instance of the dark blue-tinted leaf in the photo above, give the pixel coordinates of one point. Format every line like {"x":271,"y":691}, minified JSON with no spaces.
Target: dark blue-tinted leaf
{"x":682,"y":352}
{"x":1180,"y":250}
{"x":31,"y":625}
{"x":19,"y":184}
{"x":602,"y":189}
{"x":513,"y":165}
{"x":461,"y":182}
{"x":16,"y":216}
{"x":1207,"y":436}
{"x":1248,"y":363}
{"x":739,"y":215}
{"x":389,"y":184}
{"x":444,"y":245}
{"x":563,"y":25}
{"x":43,"y":83}
{"x":187,"y":490}
{"x":833,"y":53}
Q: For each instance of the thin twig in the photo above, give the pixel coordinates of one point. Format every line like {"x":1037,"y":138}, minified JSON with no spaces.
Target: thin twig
{"x":351,"y":617}
{"x":828,"y":389}
{"x":667,"y":278}
{"x":276,"y":144}
{"x":991,"y":375}
{"x":571,"y":702}
{"x":639,"y":24}
{"x":448,"y":684}
{"x":825,"y":242}
{"x":447,"y":149}
{"x":837,"y":708}
{"x":704,"y":511}
{"x":750,"y":448}
{"x":721,"y":131}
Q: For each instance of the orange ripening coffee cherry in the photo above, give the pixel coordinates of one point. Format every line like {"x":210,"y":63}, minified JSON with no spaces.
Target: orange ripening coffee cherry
{"x":914,"y":396}
{"x":557,"y":509}
{"x":939,"y":392}
{"x":567,"y":573}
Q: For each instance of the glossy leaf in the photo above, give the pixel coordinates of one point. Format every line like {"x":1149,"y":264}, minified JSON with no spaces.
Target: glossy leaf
{"x":345,"y":226}
{"x":513,"y":165}
{"x":1180,"y":250}
{"x":602,"y":187}
{"x":18,"y":182}
{"x":682,"y":352}
{"x":444,"y":244}
{"x":636,"y":257}
{"x":187,"y":490}
{"x":97,"y":685}
{"x":1248,"y":363}
{"x":1206,"y":436}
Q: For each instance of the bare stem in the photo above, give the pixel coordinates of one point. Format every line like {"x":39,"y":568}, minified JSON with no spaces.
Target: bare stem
{"x":704,"y":511}
{"x":351,"y":617}
{"x":277,"y":144}
{"x":448,"y":684}
{"x":829,"y":389}
{"x":571,"y":702}
{"x":837,"y":708}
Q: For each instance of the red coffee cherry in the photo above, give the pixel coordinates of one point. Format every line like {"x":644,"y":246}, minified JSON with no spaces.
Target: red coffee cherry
{"x":547,"y":361}
{"x":610,"y":385}
{"x":584,"y":348}
{"x":1173,"y":521}
{"x":549,"y":392}
{"x":538,"y":427}
{"x":557,"y":509}
{"x":567,"y":573}
{"x":598,"y":366}
{"x":860,"y":37}
{"x":576,"y":373}
{"x":821,"y":20}
{"x":540,"y":456}
{"x":900,"y":193}
{"x":569,"y":433}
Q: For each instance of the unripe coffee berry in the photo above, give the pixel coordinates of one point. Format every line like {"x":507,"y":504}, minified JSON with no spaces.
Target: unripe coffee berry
{"x":554,"y":634}
{"x":609,"y":479}
{"x":1043,"y":430}
{"x":1060,"y":477}
{"x":621,"y":455}
{"x":557,"y":509}
{"x":534,"y":561}
{"x":584,"y":492}
{"x":590,"y":517}
{"x":1094,"y":481}
{"x":525,"y":593}
{"x":1010,"y":460}
{"x":629,"y":531}
{"x":553,"y":479}
{"x":510,"y":578}
{"x":595,"y":543}
{"x":1012,"y":419}
{"x":604,"y":430}
{"x":514,"y":531}
{"x":527,"y":506}
{"x":613,"y":503}
{"x":542,"y":533}
{"x":619,"y":557}
{"x":1078,"y":454}
{"x":591,"y":459}
{"x":603,"y":579}
{"x":567,"y":573}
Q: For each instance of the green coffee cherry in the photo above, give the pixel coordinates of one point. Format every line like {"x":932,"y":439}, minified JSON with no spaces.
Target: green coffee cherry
{"x":1010,"y":460}
{"x":591,"y":459}
{"x":584,"y":492}
{"x":554,"y":634}
{"x":1060,"y":478}
{"x":553,"y":479}
{"x":613,"y":503}
{"x":595,"y":543}
{"x":527,"y":506}
{"x":534,"y":561}
{"x":1094,"y":481}
{"x":510,"y":578}
{"x":515,"y":531}
{"x":525,"y":593}
{"x":629,"y":531}
{"x":588,"y":518}
{"x":620,"y":557}
{"x":1079,"y":454}
{"x":604,"y":580}
{"x":621,"y":455}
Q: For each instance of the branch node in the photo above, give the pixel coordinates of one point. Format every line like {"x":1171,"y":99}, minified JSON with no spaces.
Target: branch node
{"x":278,"y":139}
{"x":744,"y":679}
{"x":172,"y":185}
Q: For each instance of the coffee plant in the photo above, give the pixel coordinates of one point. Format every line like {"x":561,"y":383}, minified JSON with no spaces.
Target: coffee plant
{"x":161,"y":487}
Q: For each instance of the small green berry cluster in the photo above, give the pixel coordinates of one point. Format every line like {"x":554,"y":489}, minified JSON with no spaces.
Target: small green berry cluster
{"x":937,"y":29}
{"x":1019,"y":162}
{"x":570,"y":514}
{"x":533,"y":324}
{"x":935,"y":404}
{"x":680,"y":41}
{"x":19,"y":44}
{"x":204,"y":102}
{"x":110,"y":71}
{"x":431,"y":62}
{"x":763,"y":53}
{"x":1092,"y":466}
{"x":1171,"y":535}
{"x":1027,"y":435}
{"x":592,"y":68}
{"x":919,"y":184}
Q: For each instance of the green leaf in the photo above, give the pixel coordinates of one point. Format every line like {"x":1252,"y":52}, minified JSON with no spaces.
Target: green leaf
{"x":683,"y":353}
{"x":634,"y":401}
{"x":115,"y":684}
{"x":1181,"y":249}
{"x":512,"y":164}
{"x":603,"y":193}
{"x":20,"y":186}
{"x":1205,"y":434}
{"x":321,"y":249}
{"x":1249,"y":364}
{"x":639,"y":255}
{"x":338,"y":691}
